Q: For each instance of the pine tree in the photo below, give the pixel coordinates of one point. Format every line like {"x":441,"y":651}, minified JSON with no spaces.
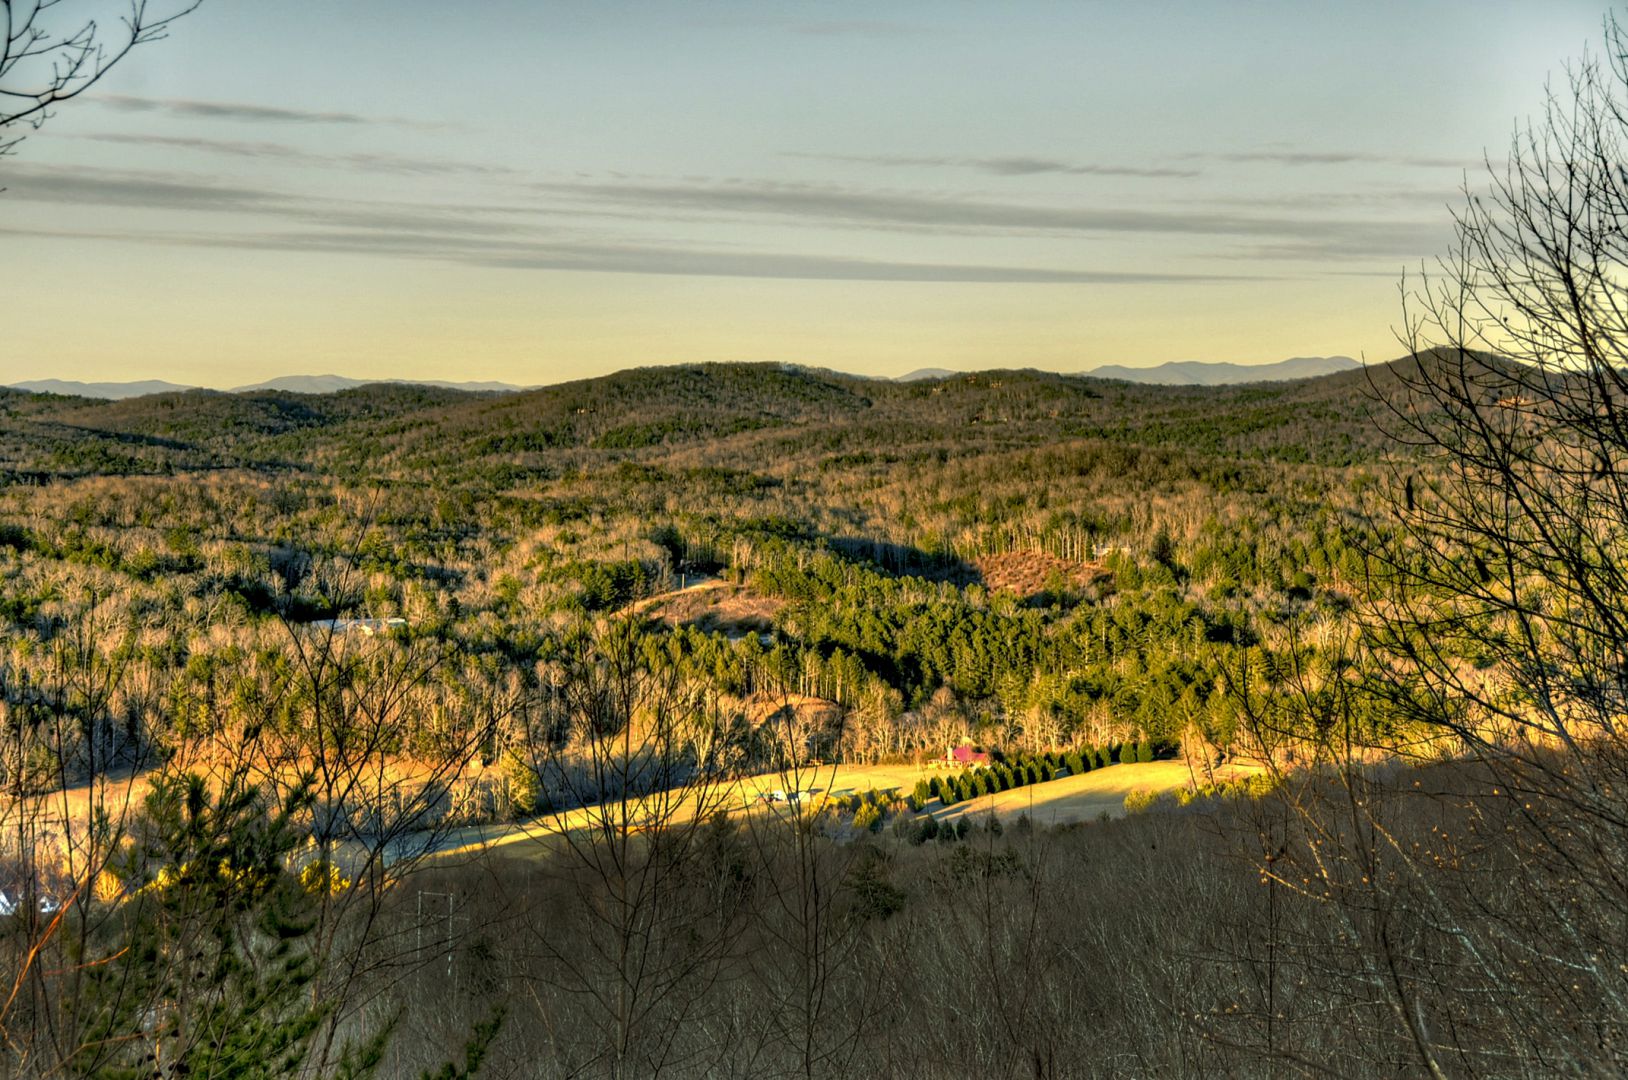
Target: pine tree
{"x":219,"y":983}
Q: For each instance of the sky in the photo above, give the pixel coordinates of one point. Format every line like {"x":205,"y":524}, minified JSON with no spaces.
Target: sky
{"x":539,"y":190}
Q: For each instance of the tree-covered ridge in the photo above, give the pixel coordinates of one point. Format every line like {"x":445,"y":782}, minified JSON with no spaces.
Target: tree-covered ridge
{"x":389,"y":429}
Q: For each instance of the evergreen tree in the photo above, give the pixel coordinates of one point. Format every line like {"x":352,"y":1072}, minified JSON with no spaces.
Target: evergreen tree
{"x":524,"y":787}
{"x":216,"y":981}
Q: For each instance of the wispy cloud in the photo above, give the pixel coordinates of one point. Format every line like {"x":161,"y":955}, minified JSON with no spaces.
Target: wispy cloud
{"x":645,"y":260}
{"x":1393,"y":243}
{"x":230,"y":110}
{"x":96,"y":187}
{"x":365,"y":161}
{"x":842,"y":206}
{"x":165,"y":192}
{"x":508,"y":237}
{"x":1330,"y":157}
{"x":595,"y":226}
{"x":1018,"y":165}
{"x":512,"y":254}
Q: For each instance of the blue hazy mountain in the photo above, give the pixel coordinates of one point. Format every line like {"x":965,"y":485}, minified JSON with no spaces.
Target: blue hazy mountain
{"x":1200,"y":373}
{"x":112,"y":390}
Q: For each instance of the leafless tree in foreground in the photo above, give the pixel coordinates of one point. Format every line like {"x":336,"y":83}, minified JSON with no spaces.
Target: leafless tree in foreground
{"x":808,"y":940}
{"x":641,"y":778}
{"x":1479,"y":909}
{"x":54,"y":50}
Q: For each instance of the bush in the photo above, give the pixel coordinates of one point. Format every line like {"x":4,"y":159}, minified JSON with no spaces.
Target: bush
{"x":868,"y":816}
{"x":1144,"y":751}
{"x":1127,"y":753}
{"x":1138,"y":801}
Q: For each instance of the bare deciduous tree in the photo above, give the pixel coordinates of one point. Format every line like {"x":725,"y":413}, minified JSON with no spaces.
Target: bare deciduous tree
{"x":54,"y":50}
{"x":657,"y":880}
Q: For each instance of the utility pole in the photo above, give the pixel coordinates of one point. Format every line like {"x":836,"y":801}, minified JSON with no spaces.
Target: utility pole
{"x":451,"y":918}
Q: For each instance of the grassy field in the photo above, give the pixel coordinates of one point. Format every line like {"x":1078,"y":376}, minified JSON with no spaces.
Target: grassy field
{"x":1088,"y":797}
{"x":1084,"y":798}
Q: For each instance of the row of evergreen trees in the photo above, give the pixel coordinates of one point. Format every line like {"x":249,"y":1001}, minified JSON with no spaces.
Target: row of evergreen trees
{"x":1011,"y":771}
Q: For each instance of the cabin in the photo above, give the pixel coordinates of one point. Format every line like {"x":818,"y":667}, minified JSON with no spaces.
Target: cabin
{"x":365,"y":627}
{"x":965,"y":757}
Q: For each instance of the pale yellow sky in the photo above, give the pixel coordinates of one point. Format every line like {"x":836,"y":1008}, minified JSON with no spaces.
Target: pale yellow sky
{"x":536,"y":192}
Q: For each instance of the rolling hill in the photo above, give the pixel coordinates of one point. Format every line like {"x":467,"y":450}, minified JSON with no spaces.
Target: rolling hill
{"x":758,"y":418}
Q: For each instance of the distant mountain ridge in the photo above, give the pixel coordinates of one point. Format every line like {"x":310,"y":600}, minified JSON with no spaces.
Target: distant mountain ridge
{"x":1175,"y":373}
{"x":113,"y":391}
{"x":1202,"y":373}
{"x":291,"y":384}
{"x":1192,"y":372}
{"x":332,"y":384}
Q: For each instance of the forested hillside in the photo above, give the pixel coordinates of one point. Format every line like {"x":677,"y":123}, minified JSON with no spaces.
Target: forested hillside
{"x":1169,"y":530}
{"x":691,"y":647}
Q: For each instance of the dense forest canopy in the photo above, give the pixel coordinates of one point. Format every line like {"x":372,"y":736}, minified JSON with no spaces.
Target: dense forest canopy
{"x":1081,"y":557}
